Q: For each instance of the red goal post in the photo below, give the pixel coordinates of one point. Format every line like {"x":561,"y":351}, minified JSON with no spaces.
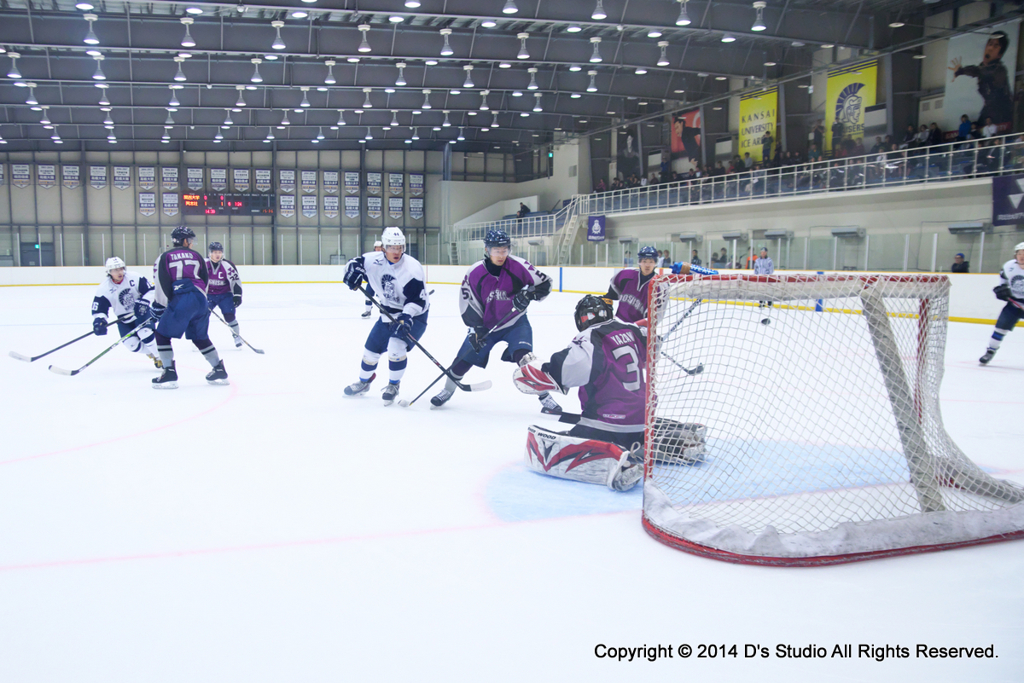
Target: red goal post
{"x":818,"y":416}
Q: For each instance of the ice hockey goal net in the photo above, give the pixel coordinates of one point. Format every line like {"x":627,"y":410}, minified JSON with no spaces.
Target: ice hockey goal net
{"x":808,"y":431}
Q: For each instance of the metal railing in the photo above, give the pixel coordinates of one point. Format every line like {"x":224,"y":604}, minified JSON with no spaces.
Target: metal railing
{"x":937,"y":163}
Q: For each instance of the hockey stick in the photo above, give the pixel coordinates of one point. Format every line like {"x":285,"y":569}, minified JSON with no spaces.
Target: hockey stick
{"x":481,"y":386}
{"x":686,"y":314}
{"x":72,"y":373}
{"x":33,"y":359}
{"x":512,"y":314}
{"x":699,"y":368}
{"x":259,"y":351}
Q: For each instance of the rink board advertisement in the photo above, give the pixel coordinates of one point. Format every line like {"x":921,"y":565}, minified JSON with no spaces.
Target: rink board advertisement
{"x":850,"y":89}
{"x":98,"y":177}
{"x":686,"y":127}
{"x":1008,"y":200}
{"x":758,"y":115}
{"x":980,"y":77}
{"x":71,"y":175}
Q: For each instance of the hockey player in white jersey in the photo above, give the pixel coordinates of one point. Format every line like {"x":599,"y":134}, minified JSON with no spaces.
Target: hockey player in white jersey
{"x":400,"y":284}
{"x":377,"y":246}
{"x":123,"y":293}
{"x":1010,"y":290}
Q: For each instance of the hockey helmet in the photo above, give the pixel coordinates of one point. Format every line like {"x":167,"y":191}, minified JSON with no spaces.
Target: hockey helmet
{"x":392,"y":237}
{"x":180,"y":234}
{"x":113,"y":263}
{"x":1019,"y":247}
{"x":215,"y":246}
{"x":497,"y":238}
{"x":591,"y":310}
{"x":648,"y":253}
{"x":378,"y":245}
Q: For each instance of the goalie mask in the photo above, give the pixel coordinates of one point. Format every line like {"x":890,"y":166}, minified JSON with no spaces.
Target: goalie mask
{"x":592,"y":310}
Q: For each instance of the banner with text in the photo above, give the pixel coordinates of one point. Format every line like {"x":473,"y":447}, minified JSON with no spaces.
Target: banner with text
{"x":170,"y":203}
{"x":46,"y":176}
{"x":330,"y":206}
{"x":309,"y":181}
{"x":373,"y":207}
{"x":264,"y":179}
{"x":241,"y":178}
{"x":416,"y":208}
{"x":330,"y":182}
{"x":758,"y":118}
{"x":351,"y":182}
{"x":218,"y":179}
{"x":286,"y":180}
{"x":352,"y":207}
{"x":396,"y":183}
{"x":147,"y":177}
{"x":98,"y":176}
{"x":287,"y":205}
{"x":373,"y":182}
{"x":850,"y":89}
{"x":71,"y":175}
{"x":194,"y":178}
{"x":395,"y":207}
{"x":1008,"y":200}
{"x":416,"y":184}
{"x":169,"y":177}
{"x":122,"y":177}
{"x":21,"y":175}
{"x":147,"y":203}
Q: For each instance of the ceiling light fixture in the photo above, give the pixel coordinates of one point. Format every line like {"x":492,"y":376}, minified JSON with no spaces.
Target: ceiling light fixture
{"x":104,"y":102}
{"x":227,"y":119}
{"x":596,"y":57}
{"x":573,"y":28}
{"x":494,"y":120}
{"x":896,"y":24}
{"x":654,"y":33}
{"x":575,"y":67}
{"x":299,"y":14}
{"x":396,"y":19}
{"x":241,"y":100}
{"x":446,"y":49}
{"x":194,"y":10}
{"x":770,"y":63}
{"x":180,"y":76}
{"x":187,"y":40}
{"x":412,"y":4}
{"x":367,"y":104}
{"x":329,"y":79}
{"x":14,"y":73}
{"x":510,"y":7}
{"x":640,"y":71}
{"x":504,"y":65}
{"x":278,"y":43}
{"x":663,"y":59}
{"x":284,"y":119}
{"x":446,"y":123}
{"x":31,"y":99}
{"x":684,"y":18}
{"x":468,"y":68}
{"x":461,"y":136}
{"x":364,"y":44}
{"x":85,"y":6}
{"x":90,"y":36}
{"x":523,"y":54}
{"x":426,"y":99}
{"x":99,"y":75}
{"x":599,"y":13}
{"x":305,"y":96}
{"x":533,"y":78}
{"x":575,"y":95}
{"x":169,"y":123}
{"x":759,"y":25}
{"x":483,"y":102}
{"x":593,"y":81}
{"x":320,"y":133}
{"x":45,"y":120}
{"x":488,"y":23}
{"x":400,"y":81}
{"x":536,"y":106}
{"x":728,"y":38}
{"x":256,"y":78}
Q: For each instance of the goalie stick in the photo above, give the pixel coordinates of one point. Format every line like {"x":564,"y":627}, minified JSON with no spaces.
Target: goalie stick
{"x":33,"y":359}
{"x":72,"y":373}
{"x":259,"y":351}
{"x":512,"y":314}
{"x":481,"y":386}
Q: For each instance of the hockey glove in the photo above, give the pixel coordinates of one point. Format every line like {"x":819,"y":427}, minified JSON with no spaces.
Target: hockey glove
{"x":354,"y":275}
{"x":476,"y":338}
{"x":141,"y":309}
{"x":99,"y":327}
{"x":523,"y":298}
{"x":1002,"y":292}
{"x":158,"y":310}
{"x":237,"y":299}
{"x":402,"y":326}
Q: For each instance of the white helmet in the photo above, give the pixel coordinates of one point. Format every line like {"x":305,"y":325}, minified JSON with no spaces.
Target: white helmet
{"x":1018,"y":247}
{"x":393,"y":237}
{"x":113,"y":263}
{"x":378,"y":243}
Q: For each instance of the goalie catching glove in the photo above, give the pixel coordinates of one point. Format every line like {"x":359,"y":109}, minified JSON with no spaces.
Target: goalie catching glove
{"x":532,"y":380}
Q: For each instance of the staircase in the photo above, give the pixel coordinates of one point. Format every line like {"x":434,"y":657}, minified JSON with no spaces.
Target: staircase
{"x":453,"y":253}
{"x":567,"y":238}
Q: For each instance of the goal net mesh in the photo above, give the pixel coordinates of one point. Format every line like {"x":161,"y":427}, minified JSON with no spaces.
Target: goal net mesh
{"x":795,"y":419}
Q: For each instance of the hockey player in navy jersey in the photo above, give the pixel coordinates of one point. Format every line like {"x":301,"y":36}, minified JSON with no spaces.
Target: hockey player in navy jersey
{"x":495,"y":294}
{"x":377,"y":246}
{"x":225,"y":289}
{"x":128,"y":296}
{"x":181,"y":307}
{"x":606,"y":360}
{"x":1010,"y":290}
{"x":400,"y":283}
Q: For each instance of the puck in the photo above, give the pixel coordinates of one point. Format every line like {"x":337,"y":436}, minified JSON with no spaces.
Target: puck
{"x":765,"y":321}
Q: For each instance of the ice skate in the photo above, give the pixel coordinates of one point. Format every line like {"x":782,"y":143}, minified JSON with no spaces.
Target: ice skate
{"x":549,"y":407}
{"x":390,"y":393}
{"x":217,"y":375}
{"x":238,"y":341}
{"x":168,"y":379}
{"x":989,"y":354}
{"x":365,"y":314}
{"x":359,"y":387}
{"x":441,"y":398}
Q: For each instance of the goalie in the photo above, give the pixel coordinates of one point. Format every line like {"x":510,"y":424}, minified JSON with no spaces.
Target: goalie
{"x":606,"y":361}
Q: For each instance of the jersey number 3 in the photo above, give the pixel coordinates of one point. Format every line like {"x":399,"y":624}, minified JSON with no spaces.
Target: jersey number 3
{"x":633,"y":366}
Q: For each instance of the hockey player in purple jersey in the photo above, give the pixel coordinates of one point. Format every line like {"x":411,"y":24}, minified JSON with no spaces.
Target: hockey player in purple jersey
{"x":181,"y":307}
{"x":606,"y":361}
{"x":225,"y":289}
{"x":630,"y":286}
{"x":495,"y":294}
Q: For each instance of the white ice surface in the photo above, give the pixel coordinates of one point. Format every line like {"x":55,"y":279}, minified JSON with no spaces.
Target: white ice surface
{"x":273,"y":530}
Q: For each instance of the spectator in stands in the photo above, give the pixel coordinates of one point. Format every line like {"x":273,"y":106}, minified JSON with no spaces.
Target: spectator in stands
{"x":653,"y":180}
{"x":662,"y":255}
{"x":934,"y":135}
{"x":694,"y":259}
{"x":814,"y":153}
{"x":910,"y":138}
{"x":627,"y":260}
{"x":858,"y":148}
{"x":600,"y":186}
{"x":766,"y":145}
{"x":963,"y":132}
{"x":922,"y":136}
{"x":878,"y":146}
{"x":748,"y":161}
{"x":837,"y":135}
{"x":643,"y":181}
{"x":818,"y":134}
{"x":959,"y":265}
{"x":523,"y":212}
{"x":989,"y":131}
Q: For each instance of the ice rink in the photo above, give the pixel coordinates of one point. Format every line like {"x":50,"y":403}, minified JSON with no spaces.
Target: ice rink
{"x":273,"y":530}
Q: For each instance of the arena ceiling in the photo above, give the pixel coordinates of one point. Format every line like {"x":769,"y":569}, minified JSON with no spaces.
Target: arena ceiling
{"x":491,"y":74}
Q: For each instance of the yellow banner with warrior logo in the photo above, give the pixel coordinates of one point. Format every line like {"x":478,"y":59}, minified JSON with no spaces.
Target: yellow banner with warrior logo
{"x":850,"y":89}
{"x":758,"y":116}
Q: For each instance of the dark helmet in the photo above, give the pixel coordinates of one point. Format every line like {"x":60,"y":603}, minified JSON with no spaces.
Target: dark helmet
{"x":591,"y":310}
{"x":215,"y":246}
{"x":497,"y":238}
{"x":180,"y":234}
{"x":647,"y":252}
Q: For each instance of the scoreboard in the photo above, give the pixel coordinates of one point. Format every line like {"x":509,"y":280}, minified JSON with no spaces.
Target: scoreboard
{"x":228,"y":204}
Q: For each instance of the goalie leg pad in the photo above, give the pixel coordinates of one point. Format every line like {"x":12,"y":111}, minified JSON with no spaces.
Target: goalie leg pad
{"x":588,"y":460}
{"x":530,"y":379}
